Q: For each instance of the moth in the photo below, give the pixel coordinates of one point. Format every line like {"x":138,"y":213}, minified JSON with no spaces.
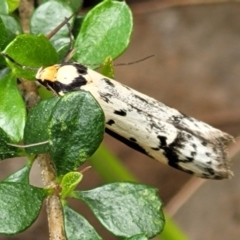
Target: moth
{"x":145,"y":124}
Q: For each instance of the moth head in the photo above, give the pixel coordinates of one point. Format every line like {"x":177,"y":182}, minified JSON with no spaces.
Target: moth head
{"x":62,"y":78}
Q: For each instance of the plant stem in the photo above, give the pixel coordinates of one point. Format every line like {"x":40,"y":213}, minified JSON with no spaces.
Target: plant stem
{"x":53,"y":204}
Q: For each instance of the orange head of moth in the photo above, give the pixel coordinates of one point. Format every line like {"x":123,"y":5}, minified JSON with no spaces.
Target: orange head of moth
{"x":62,"y":78}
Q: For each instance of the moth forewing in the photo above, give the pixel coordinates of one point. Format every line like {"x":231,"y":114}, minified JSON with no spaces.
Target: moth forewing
{"x":149,"y":126}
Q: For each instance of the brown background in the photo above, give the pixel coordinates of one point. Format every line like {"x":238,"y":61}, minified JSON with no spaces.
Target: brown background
{"x":196,"y":69}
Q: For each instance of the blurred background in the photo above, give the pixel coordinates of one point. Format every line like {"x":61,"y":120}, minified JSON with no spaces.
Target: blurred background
{"x":196,"y":69}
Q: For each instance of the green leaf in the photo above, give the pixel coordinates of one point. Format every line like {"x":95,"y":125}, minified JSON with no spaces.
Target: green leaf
{"x":77,"y":227}
{"x":20,"y":205}
{"x":3,"y":35}
{"x":77,"y":25}
{"x":74,"y":125}
{"x":3,"y":72}
{"x":36,"y":129}
{"x":105,"y":32}
{"x":30,"y":51}
{"x":74,"y":4}
{"x":137,"y":204}
{"x":3,"y":7}
{"x":69,"y":183}
{"x":9,"y":30}
{"x":13,"y":5}
{"x":138,"y":237}
{"x":12,"y":109}
{"x":107,"y":68}
{"x":42,"y":22}
{"x":12,"y":26}
{"x":76,"y":130}
{"x":21,"y":176}
{"x":6,"y":151}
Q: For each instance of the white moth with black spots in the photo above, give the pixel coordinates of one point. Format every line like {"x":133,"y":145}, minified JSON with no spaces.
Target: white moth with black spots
{"x":143,"y":123}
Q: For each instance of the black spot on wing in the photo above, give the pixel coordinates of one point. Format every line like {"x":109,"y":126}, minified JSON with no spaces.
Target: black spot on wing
{"x":171,"y":151}
{"x":193,"y":154}
{"x":194,"y":146}
{"x":120,"y":112}
{"x":140,"y":98}
{"x":163,"y":141}
{"x":208,"y":154}
{"x":110,"y":122}
{"x":108,"y":82}
{"x":131,"y":143}
{"x":105,"y":97}
{"x":132,"y":139}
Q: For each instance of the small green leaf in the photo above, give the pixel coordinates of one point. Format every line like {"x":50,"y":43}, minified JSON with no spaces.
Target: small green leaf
{"x":20,"y":205}
{"x":138,"y":237}
{"x":69,"y":183}
{"x":12,"y":109}
{"x":31,"y":51}
{"x":105,"y":31}
{"x":42,"y":22}
{"x":137,"y":204}
{"x":77,"y":227}
{"x":76,"y":130}
{"x":21,"y":176}
{"x":107,"y":68}
{"x":6,"y":151}
{"x":36,"y":129}
{"x":13,"y":5}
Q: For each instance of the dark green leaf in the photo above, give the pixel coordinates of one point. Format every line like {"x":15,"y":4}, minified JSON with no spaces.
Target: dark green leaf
{"x":42,"y":22}
{"x":36,"y":129}
{"x":12,"y":109}
{"x":3,"y":35}
{"x":77,"y":227}
{"x":12,"y":26}
{"x":20,"y":205}
{"x":76,"y":130}
{"x":74,"y":4}
{"x":21,"y":176}
{"x":137,"y":204}
{"x":3,"y":7}
{"x":69,"y":183}
{"x":6,"y":151}
{"x":105,"y":32}
{"x":77,"y":25}
{"x":30,"y":51}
